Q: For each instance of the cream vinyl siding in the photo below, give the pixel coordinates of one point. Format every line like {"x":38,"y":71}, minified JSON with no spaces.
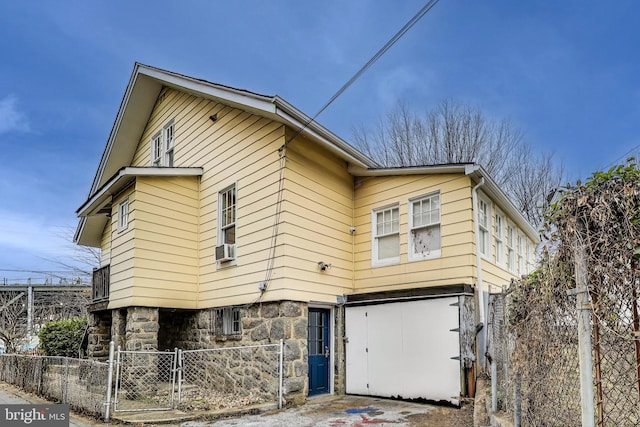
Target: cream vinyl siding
{"x":163,"y":236}
{"x":317,"y":211}
{"x":122,"y":252}
{"x":454,"y":266}
{"x":105,"y":247}
{"x":239,"y":148}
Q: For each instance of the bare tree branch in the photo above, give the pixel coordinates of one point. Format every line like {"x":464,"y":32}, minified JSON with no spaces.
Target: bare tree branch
{"x":458,"y":133}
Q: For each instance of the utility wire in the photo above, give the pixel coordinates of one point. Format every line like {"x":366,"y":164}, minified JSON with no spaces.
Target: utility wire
{"x":426,"y":8}
{"x":356,"y":76}
{"x":617,"y":160}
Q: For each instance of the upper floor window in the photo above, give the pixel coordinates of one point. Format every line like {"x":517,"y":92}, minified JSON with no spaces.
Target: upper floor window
{"x":228,"y":215}
{"x":484,"y":226}
{"x":424,"y":227}
{"x":521,"y":254}
{"x":123,"y":214}
{"x":226,"y":224}
{"x":162,"y":147}
{"x":511,"y":253}
{"x":386,"y":235}
{"x":499,"y":235}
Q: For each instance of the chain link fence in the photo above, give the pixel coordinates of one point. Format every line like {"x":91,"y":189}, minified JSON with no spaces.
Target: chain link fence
{"x":80,"y":383}
{"x":533,"y":344}
{"x":145,"y":380}
{"x":230,"y":377}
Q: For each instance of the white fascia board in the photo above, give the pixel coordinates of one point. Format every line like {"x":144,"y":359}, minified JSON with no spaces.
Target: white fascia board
{"x":237,"y":97}
{"x":103,"y":196}
{"x":298,"y":120}
{"x":408,"y":170}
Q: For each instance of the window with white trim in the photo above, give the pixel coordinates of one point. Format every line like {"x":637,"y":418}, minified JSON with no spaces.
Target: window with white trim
{"x":123,"y":214}
{"x":511,"y":253}
{"x":521,"y":254}
{"x":227,"y":321}
{"x":499,"y":236}
{"x":227,"y":217}
{"x":484,"y":225}
{"x":162,"y":145}
{"x":531,"y":256}
{"x":386,"y":235}
{"x":424,"y":227}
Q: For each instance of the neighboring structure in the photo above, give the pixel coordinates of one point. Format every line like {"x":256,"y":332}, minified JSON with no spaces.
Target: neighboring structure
{"x":220,"y":225}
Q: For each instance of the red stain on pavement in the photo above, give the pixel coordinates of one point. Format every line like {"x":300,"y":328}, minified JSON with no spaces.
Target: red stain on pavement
{"x":370,"y":421}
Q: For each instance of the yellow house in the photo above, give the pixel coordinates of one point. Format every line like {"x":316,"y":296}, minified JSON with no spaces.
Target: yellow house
{"x":231,"y":213}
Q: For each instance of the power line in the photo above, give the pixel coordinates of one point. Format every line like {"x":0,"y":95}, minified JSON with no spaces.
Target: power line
{"x":426,"y":8}
{"x":614,"y":162}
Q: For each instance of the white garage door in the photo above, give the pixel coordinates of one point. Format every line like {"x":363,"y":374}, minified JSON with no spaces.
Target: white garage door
{"x":404,"y":350}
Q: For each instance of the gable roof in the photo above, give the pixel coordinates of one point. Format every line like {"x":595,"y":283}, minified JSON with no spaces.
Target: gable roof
{"x":140,"y":96}
{"x":136,"y":107}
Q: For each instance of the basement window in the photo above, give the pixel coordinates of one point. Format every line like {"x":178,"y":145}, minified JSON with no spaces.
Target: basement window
{"x":226,"y":321}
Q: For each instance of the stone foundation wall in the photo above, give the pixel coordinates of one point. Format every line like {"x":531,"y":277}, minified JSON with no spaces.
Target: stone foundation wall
{"x":339,"y":383}
{"x":141,"y":329}
{"x":265,"y":323}
{"x":99,"y":324}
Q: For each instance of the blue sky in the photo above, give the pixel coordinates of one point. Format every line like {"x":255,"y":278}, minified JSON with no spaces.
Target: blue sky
{"x":564,"y":72}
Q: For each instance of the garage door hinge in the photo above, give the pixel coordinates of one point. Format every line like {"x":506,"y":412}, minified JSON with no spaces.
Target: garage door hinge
{"x":455,"y":304}
{"x":366,"y":349}
{"x":367,"y":385}
{"x":456,"y":358}
{"x":454,"y":330}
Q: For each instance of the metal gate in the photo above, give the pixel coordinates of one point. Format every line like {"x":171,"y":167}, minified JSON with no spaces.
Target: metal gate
{"x":145,"y":380}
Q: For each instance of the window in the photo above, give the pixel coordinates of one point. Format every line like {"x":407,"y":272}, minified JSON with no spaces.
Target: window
{"x":511,"y":256}
{"x":424,"y":227}
{"x":123,"y":214}
{"x":227,"y":321}
{"x":162,"y":147}
{"x":484,"y":224}
{"x":521,"y":254}
{"x":386,"y":236}
{"x":499,"y":234}
{"x":227,"y":222}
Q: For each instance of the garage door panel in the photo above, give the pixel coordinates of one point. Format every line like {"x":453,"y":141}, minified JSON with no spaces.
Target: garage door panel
{"x":356,"y":351}
{"x":408,"y":349}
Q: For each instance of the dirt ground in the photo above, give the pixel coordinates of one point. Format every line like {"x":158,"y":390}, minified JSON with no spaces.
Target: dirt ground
{"x":443,"y":416}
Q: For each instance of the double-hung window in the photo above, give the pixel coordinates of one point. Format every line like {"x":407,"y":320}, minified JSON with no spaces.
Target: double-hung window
{"x":484,"y":226}
{"x":424,"y":227}
{"x":386,"y":235}
{"x":123,"y":214}
{"x":228,"y":215}
{"x":511,"y":253}
{"x":499,"y":235}
{"x":521,"y":254}
{"x":162,"y":145}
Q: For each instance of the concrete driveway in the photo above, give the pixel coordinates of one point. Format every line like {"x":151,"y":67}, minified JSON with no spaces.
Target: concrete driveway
{"x":355,"y":411}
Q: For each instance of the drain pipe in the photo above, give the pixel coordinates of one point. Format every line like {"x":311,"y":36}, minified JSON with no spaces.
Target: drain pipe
{"x":479,"y":284}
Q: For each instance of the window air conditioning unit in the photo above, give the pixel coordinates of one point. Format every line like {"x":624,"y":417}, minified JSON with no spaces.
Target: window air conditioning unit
{"x":225,"y":252}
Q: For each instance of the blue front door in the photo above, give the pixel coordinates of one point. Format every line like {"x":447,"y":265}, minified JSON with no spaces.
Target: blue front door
{"x":319,"y":351}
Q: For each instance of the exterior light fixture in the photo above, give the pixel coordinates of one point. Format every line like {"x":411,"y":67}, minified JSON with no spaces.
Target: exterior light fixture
{"x":323,"y":266}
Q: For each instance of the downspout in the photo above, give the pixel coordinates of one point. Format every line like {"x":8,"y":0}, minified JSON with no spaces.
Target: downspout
{"x":479,"y":284}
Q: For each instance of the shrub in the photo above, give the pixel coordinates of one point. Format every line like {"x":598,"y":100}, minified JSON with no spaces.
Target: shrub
{"x":63,"y":337}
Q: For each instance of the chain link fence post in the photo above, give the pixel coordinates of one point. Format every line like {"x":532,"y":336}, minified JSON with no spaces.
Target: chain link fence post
{"x":584,"y":334}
